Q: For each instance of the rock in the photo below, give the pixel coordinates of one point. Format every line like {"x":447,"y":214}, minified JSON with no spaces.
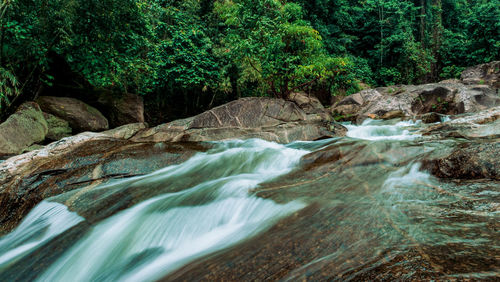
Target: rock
{"x":410,"y":101}
{"x":58,"y":128}
{"x":347,"y":109}
{"x":452,"y":81}
{"x":430,"y":117}
{"x":284,"y":133}
{"x":249,"y":113}
{"x":392,"y":90}
{"x":81,"y":161}
{"x":435,"y":98}
{"x":270,"y":119}
{"x":488,"y":74}
{"x":345,"y":112}
{"x":125,"y":131}
{"x":393,"y":115}
{"x":33,"y":148}
{"x":469,"y":99}
{"x":308,"y":103}
{"x":80,"y":116}
{"x":354,"y":99}
{"x":484,"y":124}
{"x":22,"y":129}
{"x":468,"y":161}
{"x":122,"y":109}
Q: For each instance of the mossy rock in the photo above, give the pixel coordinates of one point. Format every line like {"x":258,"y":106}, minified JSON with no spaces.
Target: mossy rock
{"x":58,"y":128}
{"x":24,"y":128}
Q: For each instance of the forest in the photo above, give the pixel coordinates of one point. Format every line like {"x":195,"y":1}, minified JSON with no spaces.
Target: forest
{"x":187,"y":56}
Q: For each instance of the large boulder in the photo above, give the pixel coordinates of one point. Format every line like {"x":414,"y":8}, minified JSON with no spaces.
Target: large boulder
{"x":121,"y":109}
{"x":270,"y":119}
{"x":249,"y":113}
{"x":483,"y":124}
{"x":308,"y":103}
{"x":469,"y":161}
{"x":349,"y":107}
{"x":58,"y":128}
{"x":410,"y":101}
{"x":483,"y":74}
{"x":22,"y":129}
{"x":80,"y":116}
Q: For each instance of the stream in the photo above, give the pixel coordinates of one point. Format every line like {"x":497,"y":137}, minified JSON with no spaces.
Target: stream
{"x":255,"y":210}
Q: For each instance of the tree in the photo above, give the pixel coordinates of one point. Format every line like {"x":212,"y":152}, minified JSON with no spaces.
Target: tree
{"x":274,"y":46}
{"x":185,"y":63}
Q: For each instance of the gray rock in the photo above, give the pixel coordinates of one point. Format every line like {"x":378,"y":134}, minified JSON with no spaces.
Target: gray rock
{"x":122,"y":109}
{"x":249,"y":113}
{"x":308,"y":103}
{"x":22,"y":129}
{"x":270,"y":119}
{"x":409,"y":100}
{"x":488,"y":74}
{"x":58,"y":128}
{"x":80,"y":116}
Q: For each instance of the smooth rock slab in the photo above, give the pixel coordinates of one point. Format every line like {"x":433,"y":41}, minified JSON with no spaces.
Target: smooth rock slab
{"x":273,"y":120}
{"x":84,"y":160}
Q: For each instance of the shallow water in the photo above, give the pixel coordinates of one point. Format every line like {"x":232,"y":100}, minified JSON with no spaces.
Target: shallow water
{"x":253,"y":205}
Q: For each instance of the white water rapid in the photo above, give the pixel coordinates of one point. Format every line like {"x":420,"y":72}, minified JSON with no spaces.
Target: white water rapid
{"x":379,"y":130}
{"x":161,"y":234}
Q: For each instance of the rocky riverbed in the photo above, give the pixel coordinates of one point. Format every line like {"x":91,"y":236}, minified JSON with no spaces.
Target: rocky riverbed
{"x":265,"y":189}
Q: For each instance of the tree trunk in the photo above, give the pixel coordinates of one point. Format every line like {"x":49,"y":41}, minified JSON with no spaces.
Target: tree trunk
{"x":437,"y":31}
{"x":422,"y":23}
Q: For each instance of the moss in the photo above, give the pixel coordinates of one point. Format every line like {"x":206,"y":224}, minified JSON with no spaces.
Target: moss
{"x":24,"y":128}
{"x":58,"y":128}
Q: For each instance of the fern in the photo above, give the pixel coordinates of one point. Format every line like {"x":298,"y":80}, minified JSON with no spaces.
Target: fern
{"x":8,"y":86}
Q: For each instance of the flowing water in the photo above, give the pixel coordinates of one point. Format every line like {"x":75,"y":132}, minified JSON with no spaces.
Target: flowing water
{"x":216,"y":201}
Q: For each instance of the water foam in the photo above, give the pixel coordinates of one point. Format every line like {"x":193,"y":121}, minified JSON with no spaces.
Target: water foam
{"x":159,"y":235}
{"x":377,"y":130}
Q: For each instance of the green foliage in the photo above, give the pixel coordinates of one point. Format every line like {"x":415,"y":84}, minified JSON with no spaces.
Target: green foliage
{"x":188,"y":55}
{"x":404,"y":42}
{"x":8,"y":86}
{"x":451,"y":72}
{"x":108,"y":48}
{"x":273,"y":47}
{"x":184,"y":53}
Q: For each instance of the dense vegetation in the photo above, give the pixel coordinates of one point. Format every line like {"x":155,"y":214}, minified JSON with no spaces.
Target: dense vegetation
{"x":187,"y":55}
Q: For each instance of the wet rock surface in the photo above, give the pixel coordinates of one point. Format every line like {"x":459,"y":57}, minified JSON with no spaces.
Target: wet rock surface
{"x":84,"y":160}
{"x":469,"y":161}
{"x":361,"y":226}
{"x":419,"y":203}
{"x":483,"y":124}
